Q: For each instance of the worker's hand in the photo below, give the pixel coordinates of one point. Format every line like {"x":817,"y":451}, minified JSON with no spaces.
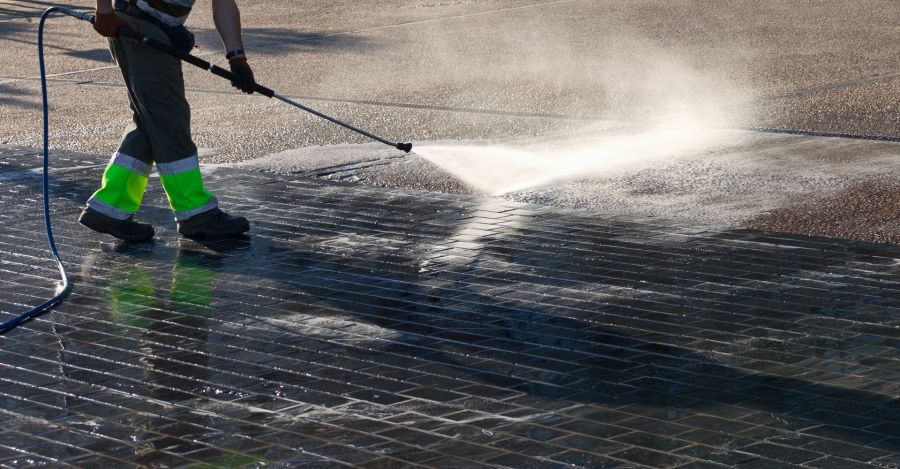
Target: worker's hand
{"x":108,"y":24}
{"x":243,"y":74}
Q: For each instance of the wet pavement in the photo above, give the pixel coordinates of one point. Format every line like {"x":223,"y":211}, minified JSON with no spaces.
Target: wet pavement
{"x":374,"y":327}
{"x":803,"y":184}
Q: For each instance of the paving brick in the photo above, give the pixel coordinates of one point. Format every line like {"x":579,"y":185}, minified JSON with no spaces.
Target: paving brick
{"x":519,"y":461}
{"x":766,"y":464}
{"x":716,"y":454}
{"x":649,"y":457}
{"x":891,"y":460}
{"x":700,"y":465}
{"x":651,"y":441}
{"x":582,"y":459}
{"x":846,"y":450}
{"x":781,"y":453}
{"x":832,"y":462}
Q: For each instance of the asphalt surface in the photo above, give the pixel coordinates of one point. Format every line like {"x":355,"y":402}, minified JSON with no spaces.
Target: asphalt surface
{"x":501,"y":71}
{"x":767,"y":61}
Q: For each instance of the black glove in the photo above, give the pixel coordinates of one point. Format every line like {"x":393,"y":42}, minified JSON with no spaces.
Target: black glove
{"x":243,"y":74}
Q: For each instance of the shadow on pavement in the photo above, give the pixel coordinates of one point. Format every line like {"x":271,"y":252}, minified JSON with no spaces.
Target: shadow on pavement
{"x":39,"y":7}
{"x":279,"y":41}
{"x":13,"y":96}
{"x":26,"y":34}
{"x":576,"y":347}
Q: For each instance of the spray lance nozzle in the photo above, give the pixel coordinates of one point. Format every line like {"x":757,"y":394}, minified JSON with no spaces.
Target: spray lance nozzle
{"x":407,"y":147}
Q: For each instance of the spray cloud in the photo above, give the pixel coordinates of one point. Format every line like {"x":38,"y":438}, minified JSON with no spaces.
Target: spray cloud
{"x":647,"y":103}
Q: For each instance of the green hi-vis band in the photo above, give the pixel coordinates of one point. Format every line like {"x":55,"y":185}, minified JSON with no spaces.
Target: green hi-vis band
{"x":131,"y":295}
{"x":192,"y":285}
{"x":184,"y":187}
{"x":124,"y":183}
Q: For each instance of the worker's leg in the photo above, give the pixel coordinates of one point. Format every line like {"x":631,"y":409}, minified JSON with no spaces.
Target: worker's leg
{"x":126,"y":176}
{"x":111,"y":208}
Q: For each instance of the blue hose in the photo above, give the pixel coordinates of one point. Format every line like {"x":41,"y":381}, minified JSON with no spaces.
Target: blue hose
{"x":65,"y":287}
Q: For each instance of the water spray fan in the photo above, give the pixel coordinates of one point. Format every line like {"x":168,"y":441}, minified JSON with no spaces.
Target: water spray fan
{"x":226,"y":74}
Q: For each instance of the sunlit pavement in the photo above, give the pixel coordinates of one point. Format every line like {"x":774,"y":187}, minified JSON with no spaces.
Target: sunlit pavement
{"x":387,"y":327}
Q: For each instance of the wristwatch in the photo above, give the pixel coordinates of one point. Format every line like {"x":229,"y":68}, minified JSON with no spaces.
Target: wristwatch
{"x":234,"y":53}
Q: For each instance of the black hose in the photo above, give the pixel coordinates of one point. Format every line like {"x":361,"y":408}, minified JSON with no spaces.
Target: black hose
{"x":65,"y":287}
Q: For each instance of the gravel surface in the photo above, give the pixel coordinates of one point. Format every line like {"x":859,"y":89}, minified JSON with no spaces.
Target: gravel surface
{"x":867,"y":211}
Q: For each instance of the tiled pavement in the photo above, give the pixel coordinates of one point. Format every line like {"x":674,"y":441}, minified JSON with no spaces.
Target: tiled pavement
{"x":383,"y":328}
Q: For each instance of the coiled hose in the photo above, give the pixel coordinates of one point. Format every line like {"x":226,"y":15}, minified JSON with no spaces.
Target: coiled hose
{"x":64,"y":287}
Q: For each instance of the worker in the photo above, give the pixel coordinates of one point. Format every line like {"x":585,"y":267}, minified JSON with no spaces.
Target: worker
{"x":160,"y":130}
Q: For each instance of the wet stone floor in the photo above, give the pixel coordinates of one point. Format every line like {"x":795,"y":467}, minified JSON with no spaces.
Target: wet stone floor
{"x":367,"y":327}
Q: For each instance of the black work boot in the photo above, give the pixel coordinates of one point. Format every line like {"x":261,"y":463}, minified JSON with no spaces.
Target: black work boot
{"x":127,"y":229}
{"x":213,"y":224}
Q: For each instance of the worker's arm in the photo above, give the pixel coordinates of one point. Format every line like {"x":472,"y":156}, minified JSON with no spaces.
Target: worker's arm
{"x":104,"y":6}
{"x":106,"y":21}
{"x":227,"y":18}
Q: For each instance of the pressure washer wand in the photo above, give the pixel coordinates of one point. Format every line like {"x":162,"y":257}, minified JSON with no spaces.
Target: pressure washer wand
{"x":267,"y":92}
{"x":226,"y":74}
{"x":407,"y":147}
